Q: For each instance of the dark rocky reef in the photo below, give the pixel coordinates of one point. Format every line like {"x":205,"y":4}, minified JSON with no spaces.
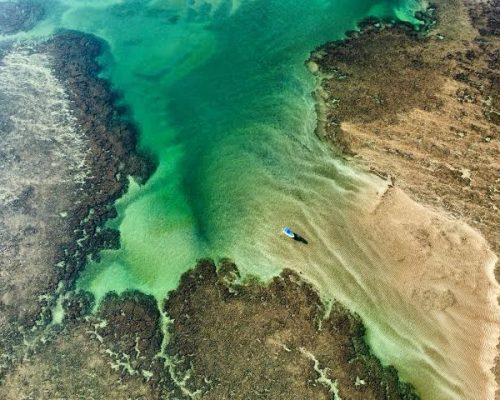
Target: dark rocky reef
{"x":133,"y":337}
{"x":19,"y":16}
{"x":228,"y":339}
{"x":133,"y":326}
{"x":77,"y":305}
{"x":245,"y":341}
{"x":73,"y":213}
{"x":113,"y":155}
{"x":72,"y":365}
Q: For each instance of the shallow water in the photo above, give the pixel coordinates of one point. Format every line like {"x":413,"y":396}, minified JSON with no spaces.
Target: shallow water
{"x":222,"y":97}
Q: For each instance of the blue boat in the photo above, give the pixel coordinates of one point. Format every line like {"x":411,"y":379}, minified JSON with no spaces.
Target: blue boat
{"x":288,"y":232}
{"x":295,"y":236}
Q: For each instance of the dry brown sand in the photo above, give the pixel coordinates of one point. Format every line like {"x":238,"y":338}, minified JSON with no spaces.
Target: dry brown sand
{"x":444,"y":269}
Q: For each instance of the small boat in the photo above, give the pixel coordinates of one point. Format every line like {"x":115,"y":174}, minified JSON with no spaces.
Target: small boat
{"x":288,"y":232}
{"x":295,"y":236}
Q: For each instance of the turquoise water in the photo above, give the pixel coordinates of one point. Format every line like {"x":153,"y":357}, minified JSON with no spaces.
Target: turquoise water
{"x":222,"y":97}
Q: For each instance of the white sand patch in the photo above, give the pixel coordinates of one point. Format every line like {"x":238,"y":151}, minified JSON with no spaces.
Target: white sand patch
{"x":42,"y":168}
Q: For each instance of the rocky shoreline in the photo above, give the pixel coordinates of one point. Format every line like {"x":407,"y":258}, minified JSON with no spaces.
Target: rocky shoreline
{"x":377,"y":77}
{"x":68,"y":207}
{"x":113,"y":155}
{"x":278,"y":340}
{"x":325,"y":61}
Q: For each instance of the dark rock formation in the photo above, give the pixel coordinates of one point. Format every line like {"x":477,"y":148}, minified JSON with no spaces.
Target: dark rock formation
{"x":77,"y":305}
{"x":245,"y":341}
{"x":228,"y":339}
{"x":132,"y":337}
{"x":133,"y":326}
{"x":19,"y":16}
{"x":113,"y":155}
{"x":485,"y":16}
{"x":364,"y":98}
{"x":68,"y":206}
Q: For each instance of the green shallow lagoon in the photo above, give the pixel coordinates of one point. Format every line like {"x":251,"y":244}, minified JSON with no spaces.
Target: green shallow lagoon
{"x":222,"y":98}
